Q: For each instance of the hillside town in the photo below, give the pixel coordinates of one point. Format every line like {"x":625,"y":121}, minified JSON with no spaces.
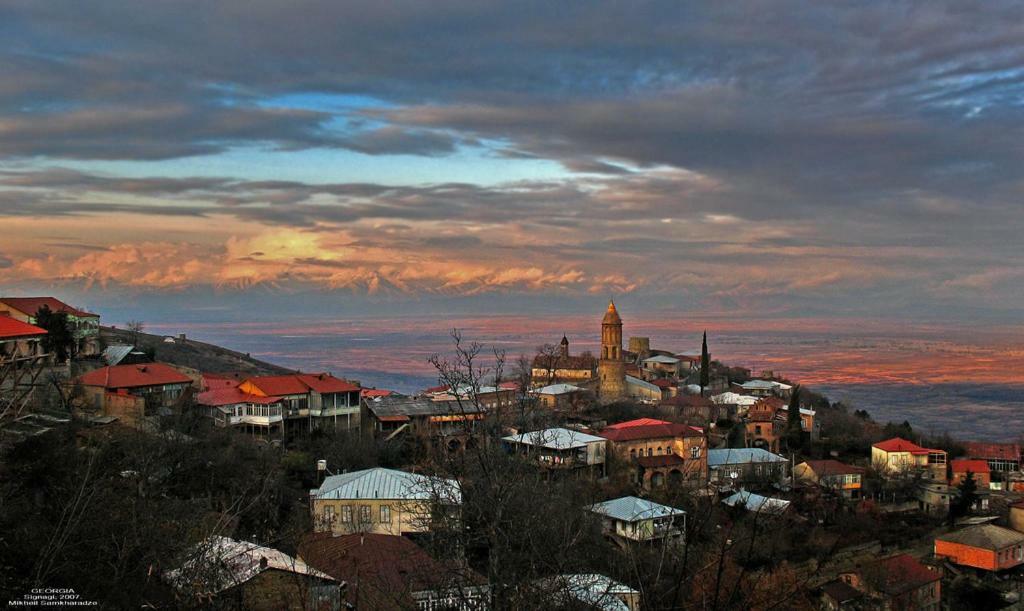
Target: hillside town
{"x":639,"y":477}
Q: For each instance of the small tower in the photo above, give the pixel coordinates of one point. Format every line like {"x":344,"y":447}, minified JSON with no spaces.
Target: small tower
{"x":563,"y":348}
{"x":611,"y":367}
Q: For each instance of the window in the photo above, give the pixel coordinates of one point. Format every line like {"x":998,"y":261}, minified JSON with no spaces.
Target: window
{"x":650,"y":452}
{"x":346,"y":514}
{"x":364,"y":514}
{"x":385,"y":514}
{"x":695,"y":452}
{"x":329,"y":514}
{"x":632,"y":453}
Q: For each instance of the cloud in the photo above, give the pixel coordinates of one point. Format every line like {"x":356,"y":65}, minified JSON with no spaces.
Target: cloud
{"x":799,"y":150}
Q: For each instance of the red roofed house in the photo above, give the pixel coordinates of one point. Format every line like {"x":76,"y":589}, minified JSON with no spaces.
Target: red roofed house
{"x":983,"y":546}
{"x":19,"y":339}
{"x":664,"y":452}
{"x":898,"y":582}
{"x":831,"y":475}
{"x":135,"y":392}
{"x":230,"y":406}
{"x":896,"y":455}
{"x":960,"y":467}
{"x":313,"y":399}
{"x":373,"y":393}
{"x":85,"y":326}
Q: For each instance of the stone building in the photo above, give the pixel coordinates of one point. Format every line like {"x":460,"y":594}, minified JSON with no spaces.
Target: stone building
{"x":611,"y":367}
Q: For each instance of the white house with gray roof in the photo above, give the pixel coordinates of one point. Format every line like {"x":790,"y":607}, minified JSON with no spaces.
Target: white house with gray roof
{"x":557,"y":396}
{"x":383,"y":501}
{"x":561,"y":448}
{"x":733,"y":467}
{"x":593,"y":590}
{"x":638,"y":519}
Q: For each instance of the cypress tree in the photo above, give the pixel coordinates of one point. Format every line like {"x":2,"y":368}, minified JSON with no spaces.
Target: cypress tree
{"x":59,"y":338}
{"x":705,"y":365}
{"x":794,"y":428}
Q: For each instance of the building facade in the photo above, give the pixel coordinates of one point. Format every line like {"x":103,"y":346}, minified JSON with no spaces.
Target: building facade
{"x":85,"y":326}
{"x":135,"y":392}
{"x":831,"y":475}
{"x":664,"y":453}
{"x":382,"y":501}
{"x":986,"y":546}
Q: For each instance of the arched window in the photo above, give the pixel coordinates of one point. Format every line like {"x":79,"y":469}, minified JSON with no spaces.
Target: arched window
{"x":632,"y":453}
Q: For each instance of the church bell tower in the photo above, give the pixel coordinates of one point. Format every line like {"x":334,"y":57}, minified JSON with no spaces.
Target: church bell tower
{"x":611,"y":367}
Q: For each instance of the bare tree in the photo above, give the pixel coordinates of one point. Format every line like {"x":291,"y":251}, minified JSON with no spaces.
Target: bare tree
{"x":135,"y":327}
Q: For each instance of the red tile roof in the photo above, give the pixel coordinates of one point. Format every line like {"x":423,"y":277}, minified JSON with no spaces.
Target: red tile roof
{"x":212,"y":381}
{"x":326,"y":383}
{"x":768,"y":403}
{"x":990,"y":451}
{"x":688,"y":401}
{"x":663,"y":383}
{"x":832,"y":467}
{"x":897,"y":444}
{"x":558,"y":361}
{"x":300,"y":384}
{"x":12,"y":329}
{"x":375,"y":392}
{"x":230,"y":396}
{"x":134,"y":376}
{"x":963,"y":465}
{"x":898,"y":574}
{"x":30,"y":305}
{"x":646,"y":428}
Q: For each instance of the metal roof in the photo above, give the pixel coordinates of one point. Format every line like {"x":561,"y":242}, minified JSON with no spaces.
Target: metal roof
{"x":597,"y":590}
{"x":667,"y":360}
{"x":632,"y":381}
{"x":731,"y":398}
{"x":555,"y":439}
{"x":984,"y":536}
{"x":115,"y":353}
{"x":756,"y":503}
{"x":419,"y":406}
{"x":557,"y":389}
{"x":634,"y":509}
{"x":764,"y":385}
{"x":219,"y":563}
{"x":741,"y":456}
{"x":381,"y":483}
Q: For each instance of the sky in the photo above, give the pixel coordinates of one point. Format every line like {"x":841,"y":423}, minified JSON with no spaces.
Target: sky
{"x":785,"y":158}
